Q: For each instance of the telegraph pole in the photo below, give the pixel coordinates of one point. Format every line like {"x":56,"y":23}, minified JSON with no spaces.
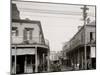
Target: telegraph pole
{"x":84,"y":8}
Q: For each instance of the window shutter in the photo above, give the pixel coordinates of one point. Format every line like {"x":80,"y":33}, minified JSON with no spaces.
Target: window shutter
{"x":25,"y":34}
{"x":30,"y":34}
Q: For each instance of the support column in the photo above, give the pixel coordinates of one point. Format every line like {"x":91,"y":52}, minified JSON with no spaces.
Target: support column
{"x":81,"y":60}
{"x":85,"y":57}
{"x":25,"y":67}
{"x":36,"y":62}
{"x":43,"y":61}
{"x":15,"y":58}
{"x":90,"y":59}
{"x":75,"y":59}
{"x":72,"y":59}
{"x":48,"y":61}
{"x":78,"y":58}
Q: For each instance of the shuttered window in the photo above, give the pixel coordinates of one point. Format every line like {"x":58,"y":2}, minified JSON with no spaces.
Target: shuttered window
{"x":25,"y":34}
{"x":28,"y":33}
{"x":14,"y":31}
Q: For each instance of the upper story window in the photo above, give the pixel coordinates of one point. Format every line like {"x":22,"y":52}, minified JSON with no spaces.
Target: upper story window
{"x":92,"y":36}
{"x":14,"y":31}
{"x":28,"y":33}
{"x":82,"y":38}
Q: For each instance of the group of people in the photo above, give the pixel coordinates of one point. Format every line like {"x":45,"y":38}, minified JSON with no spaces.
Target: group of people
{"x":55,"y":67}
{"x":42,"y":68}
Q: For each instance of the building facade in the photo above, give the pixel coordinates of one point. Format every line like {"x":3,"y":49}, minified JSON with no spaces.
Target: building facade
{"x":29,"y":49}
{"x":84,"y":39}
{"x":54,"y":56}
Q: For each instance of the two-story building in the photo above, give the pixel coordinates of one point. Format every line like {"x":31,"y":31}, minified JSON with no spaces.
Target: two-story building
{"x":29,"y":49}
{"x":85,"y":38}
{"x":54,"y":56}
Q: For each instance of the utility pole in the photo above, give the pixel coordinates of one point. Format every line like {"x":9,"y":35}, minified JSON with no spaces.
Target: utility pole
{"x":84,"y":8}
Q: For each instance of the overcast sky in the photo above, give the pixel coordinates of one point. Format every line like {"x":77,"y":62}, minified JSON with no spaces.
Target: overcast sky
{"x":59,"y":22}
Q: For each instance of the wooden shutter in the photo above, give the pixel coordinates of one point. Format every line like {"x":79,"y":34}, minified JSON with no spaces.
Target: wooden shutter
{"x":25,"y":34}
{"x":31,"y":34}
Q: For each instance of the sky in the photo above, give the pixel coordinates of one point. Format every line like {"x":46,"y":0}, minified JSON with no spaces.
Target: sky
{"x":59,"y":22}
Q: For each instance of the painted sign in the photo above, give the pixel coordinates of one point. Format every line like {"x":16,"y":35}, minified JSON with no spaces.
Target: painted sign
{"x":93,"y":52}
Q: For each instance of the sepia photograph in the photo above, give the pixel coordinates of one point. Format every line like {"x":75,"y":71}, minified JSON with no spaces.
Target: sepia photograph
{"x":52,"y":37}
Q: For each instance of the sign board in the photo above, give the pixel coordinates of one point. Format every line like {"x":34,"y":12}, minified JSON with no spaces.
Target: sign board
{"x":93,"y":52}
{"x":23,"y":51}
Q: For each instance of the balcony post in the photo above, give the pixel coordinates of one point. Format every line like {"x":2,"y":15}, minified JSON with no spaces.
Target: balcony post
{"x":36,"y":60}
{"x":15,"y":58}
{"x":48,"y":61}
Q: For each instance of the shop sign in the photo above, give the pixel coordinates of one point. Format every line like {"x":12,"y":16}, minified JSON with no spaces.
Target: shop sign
{"x":93,"y":52}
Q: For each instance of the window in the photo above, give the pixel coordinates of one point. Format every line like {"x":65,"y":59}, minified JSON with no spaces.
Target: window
{"x":28,"y":33}
{"x":91,"y":36}
{"x":14,"y":31}
{"x":82,"y":38}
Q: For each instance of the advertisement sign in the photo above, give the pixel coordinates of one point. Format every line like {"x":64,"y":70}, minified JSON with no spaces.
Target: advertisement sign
{"x":93,"y":52}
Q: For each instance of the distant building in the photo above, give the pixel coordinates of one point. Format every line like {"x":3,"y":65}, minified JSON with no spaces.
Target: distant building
{"x":54,"y":56}
{"x":29,"y":49}
{"x":75,"y":47}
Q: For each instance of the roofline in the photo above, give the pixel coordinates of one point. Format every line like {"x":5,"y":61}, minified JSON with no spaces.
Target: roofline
{"x":55,"y":3}
{"x":81,"y":29}
{"x":25,"y":21}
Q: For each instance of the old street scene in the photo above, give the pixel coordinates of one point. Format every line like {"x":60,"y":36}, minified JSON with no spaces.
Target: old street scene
{"x":52,"y":37}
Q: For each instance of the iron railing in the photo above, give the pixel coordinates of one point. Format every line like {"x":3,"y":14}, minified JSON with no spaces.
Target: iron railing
{"x":33,"y":40}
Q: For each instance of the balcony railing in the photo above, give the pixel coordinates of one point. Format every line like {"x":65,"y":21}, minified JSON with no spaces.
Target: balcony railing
{"x":34,"y":40}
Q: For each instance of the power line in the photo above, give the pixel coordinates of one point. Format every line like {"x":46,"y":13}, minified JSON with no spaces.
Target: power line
{"x":24,"y":1}
{"x":48,"y":11}
{"x":50,"y":16}
{"x":52,"y":12}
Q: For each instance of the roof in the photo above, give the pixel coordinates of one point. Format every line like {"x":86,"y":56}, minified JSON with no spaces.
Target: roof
{"x":15,"y":12}
{"x":89,"y":24}
{"x":25,"y":21}
{"x":92,"y":23}
{"x":14,"y":7}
